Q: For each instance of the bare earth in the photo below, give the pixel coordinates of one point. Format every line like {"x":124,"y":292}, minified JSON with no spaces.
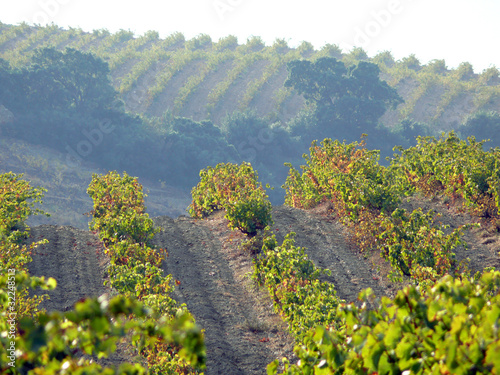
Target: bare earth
{"x":242,"y":332}
{"x":75,"y":258}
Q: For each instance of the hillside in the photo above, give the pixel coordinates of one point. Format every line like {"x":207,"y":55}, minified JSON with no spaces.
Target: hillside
{"x":242,"y":334}
{"x":205,"y":79}
{"x":214,"y":275}
{"x":202,"y":79}
{"x":192,"y":111}
{"x":67,"y":200}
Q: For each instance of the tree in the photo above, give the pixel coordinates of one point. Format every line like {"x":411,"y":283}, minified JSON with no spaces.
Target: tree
{"x":267,"y":146}
{"x":482,"y":125}
{"x":349,"y":98}
{"x":410,"y":130}
{"x":72,"y":79}
{"x":332,"y":50}
{"x":5,"y":81}
{"x":190,"y":146}
{"x":465,"y":71}
{"x":437,"y":66}
{"x":384,"y":58}
{"x":11,"y":88}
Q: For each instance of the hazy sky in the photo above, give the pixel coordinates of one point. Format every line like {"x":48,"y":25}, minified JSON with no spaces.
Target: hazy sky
{"x":454,"y":30}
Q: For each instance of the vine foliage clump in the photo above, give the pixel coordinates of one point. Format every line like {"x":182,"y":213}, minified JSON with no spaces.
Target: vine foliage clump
{"x":235,"y":189}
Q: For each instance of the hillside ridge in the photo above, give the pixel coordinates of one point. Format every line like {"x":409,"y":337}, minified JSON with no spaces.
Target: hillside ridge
{"x":202,"y":79}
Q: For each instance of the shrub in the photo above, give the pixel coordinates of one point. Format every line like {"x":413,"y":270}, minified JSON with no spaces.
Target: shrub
{"x":416,"y":247}
{"x":17,"y":200}
{"x":54,"y":342}
{"x":250,"y":214}
{"x":457,"y":168}
{"x":233,"y":188}
{"x":229,"y":42}
{"x":135,"y":268}
{"x":201,"y":41}
{"x":119,"y":211}
{"x":347,"y":174}
{"x":292,"y":281}
{"x":366,"y":195}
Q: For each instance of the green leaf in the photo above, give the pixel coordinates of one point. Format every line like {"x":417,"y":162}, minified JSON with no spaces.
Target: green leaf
{"x":392,"y":336}
{"x":404,"y":349}
{"x":272,"y":368}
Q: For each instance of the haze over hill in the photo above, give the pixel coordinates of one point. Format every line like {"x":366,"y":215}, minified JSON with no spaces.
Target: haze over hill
{"x":236,"y":86}
{"x":429,"y":29}
{"x":201,"y":78}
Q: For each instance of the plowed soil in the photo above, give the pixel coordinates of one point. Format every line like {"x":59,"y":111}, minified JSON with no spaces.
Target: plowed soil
{"x":213,"y":276}
{"x":242,"y":333}
{"x":75,"y":258}
{"x":328,"y":246}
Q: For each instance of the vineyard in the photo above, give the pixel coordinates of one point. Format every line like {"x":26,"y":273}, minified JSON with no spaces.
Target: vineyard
{"x":383,"y":259}
{"x":163,"y":109}
{"x":142,"y":313}
{"x":205,"y":79}
{"x":431,"y":307}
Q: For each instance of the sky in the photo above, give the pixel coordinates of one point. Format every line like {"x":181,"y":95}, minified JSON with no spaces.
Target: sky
{"x":454,"y":30}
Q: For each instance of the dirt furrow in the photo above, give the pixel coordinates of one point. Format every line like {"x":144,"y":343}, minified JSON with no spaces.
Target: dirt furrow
{"x":326,"y":245}
{"x":237,"y":342}
{"x":73,"y":257}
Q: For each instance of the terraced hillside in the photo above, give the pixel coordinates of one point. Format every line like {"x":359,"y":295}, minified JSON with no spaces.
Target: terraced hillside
{"x":201,"y":78}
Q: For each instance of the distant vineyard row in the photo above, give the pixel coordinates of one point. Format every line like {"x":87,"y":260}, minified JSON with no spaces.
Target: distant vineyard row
{"x":203,"y":78}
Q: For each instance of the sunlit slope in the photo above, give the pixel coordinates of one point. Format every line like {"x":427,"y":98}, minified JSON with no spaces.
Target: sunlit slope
{"x":201,"y":78}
